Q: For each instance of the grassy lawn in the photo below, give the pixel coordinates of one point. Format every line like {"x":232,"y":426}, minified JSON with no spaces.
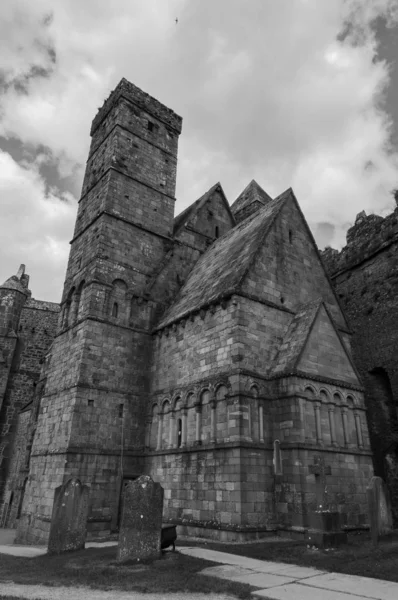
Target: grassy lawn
{"x":358,"y":557}
{"x":97,"y":568}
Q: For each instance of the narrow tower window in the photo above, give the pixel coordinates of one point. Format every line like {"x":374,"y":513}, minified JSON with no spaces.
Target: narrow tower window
{"x":115,"y":309}
{"x":217,"y":233}
{"x":150,"y":126}
{"x":179,"y":433}
{"x":121,"y":408}
{"x":290,"y":236}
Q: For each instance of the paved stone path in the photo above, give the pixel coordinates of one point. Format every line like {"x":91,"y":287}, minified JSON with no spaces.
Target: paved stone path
{"x":281,"y":581}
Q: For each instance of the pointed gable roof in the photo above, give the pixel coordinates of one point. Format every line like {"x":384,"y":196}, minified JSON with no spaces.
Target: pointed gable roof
{"x":188,"y":214}
{"x":219,"y":272}
{"x":295,"y":338}
{"x":252,"y":194}
{"x":312,"y":345}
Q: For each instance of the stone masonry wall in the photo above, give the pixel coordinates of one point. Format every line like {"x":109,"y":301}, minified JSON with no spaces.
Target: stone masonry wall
{"x":36,"y":330}
{"x":365,"y":276}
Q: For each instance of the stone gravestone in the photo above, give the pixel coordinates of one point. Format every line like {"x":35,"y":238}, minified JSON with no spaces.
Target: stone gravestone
{"x":379,"y":505}
{"x":141,"y":524}
{"x":324,"y":525}
{"x":69,"y":517}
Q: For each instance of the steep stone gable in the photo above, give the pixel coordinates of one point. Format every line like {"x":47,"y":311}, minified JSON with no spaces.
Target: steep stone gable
{"x":205,"y":220}
{"x":249,"y":201}
{"x":295,"y":338}
{"x":220,"y":270}
{"x":324,"y":353}
{"x":287,"y":270}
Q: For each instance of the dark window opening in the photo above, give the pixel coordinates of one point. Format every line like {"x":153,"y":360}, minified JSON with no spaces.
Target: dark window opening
{"x":179,"y":433}
{"x":282,"y":300}
{"x":121,"y":409}
{"x":217,"y":233}
{"x":151,"y":126}
{"x":290,"y":236}
{"x":90,"y":402}
{"x":115,"y":309}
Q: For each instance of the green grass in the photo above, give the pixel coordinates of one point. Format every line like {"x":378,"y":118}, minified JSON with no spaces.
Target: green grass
{"x":97,"y":568}
{"x":358,"y":557}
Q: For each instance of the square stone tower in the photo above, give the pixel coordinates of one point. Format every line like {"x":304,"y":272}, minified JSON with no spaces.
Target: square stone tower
{"x":92,"y":416}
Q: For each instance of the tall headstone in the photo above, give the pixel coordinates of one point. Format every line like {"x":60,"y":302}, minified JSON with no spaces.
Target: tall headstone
{"x":141,"y":524}
{"x":379,"y":504}
{"x":69,"y":517}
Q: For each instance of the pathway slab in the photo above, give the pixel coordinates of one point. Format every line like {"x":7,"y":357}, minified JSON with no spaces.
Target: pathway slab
{"x":27,"y":551}
{"x":365,"y":587}
{"x":297,"y":591}
{"x":236,"y":573}
{"x":261,"y":566}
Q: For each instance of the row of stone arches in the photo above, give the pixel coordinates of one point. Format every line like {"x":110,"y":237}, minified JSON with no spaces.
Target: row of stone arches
{"x":333,"y":418}
{"x":191,"y":419}
{"x":72,"y":309}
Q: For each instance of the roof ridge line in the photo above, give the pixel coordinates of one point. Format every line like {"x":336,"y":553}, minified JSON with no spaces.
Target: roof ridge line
{"x":261,"y":236}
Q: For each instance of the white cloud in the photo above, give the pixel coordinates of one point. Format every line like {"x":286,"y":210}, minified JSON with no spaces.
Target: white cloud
{"x":267,"y":90}
{"x":35,"y":227}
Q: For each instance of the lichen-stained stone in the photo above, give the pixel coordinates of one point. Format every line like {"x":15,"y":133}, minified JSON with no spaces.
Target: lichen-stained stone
{"x":141,"y":524}
{"x":364,"y":275}
{"x":68,"y":528}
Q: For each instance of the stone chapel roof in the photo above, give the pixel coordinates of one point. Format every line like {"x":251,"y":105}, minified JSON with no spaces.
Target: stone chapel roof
{"x":295,"y":338}
{"x":191,"y":210}
{"x":219,"y":272}
{"x":252,"y":194}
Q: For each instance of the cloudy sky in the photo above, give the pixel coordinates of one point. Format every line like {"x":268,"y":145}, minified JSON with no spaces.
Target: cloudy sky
{"x":300,"y":93}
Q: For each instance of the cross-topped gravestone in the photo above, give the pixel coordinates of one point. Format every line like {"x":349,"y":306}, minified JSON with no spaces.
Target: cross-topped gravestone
{"x":320,"y":470}
{"x":324,"y":525}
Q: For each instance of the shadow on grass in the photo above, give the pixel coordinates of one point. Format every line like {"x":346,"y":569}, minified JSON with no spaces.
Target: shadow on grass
{"x":97,"y":568}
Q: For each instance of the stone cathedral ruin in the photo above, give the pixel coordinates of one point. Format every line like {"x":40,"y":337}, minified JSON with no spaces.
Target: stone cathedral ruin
{"x":208,"y":350}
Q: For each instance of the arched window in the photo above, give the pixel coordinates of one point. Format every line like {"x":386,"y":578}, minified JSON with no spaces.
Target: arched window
{"x":68,"y":309}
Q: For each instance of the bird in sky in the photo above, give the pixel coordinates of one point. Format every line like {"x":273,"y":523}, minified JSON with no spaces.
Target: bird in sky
{"x":176,"y":20}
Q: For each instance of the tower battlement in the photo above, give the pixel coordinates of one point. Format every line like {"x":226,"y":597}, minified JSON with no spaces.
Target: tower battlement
{"x":142,"y":100}
{"x":369,"y":235}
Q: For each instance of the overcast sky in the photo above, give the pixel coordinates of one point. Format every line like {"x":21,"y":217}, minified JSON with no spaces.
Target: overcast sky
{"x":300,"y":93}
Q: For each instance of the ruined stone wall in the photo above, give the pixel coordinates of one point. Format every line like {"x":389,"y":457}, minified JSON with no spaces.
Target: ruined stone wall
{"x":365,"y":276}
{"x":35,"y":333}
